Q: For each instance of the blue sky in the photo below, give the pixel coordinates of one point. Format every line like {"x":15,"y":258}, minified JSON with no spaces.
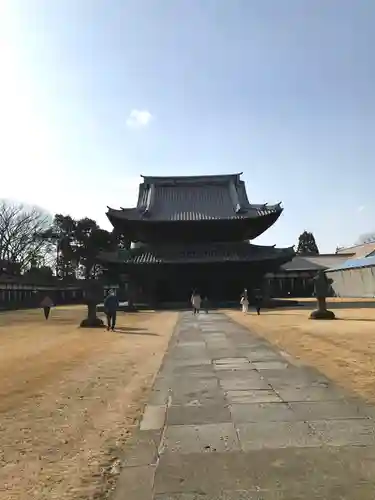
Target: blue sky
{"x":95,"y":92}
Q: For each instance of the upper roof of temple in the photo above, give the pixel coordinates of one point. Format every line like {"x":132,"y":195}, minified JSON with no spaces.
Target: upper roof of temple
{"x":193,"y":198}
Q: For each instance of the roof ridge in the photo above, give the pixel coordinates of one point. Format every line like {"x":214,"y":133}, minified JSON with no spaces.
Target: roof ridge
{"x":185,"y":179}
{"x":356,"y":245}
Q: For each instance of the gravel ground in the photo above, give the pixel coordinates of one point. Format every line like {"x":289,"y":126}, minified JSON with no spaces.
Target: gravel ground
{"x":69,"y":398}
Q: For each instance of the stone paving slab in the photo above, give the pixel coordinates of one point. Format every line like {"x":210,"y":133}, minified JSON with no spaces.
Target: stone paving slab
{"x":238,"y":384}
{"x":261,"y":354}
{"x":141,"y":449}
{"x":182,"y":385}
{"x":202,"y":391}
{"x":159,"y":397}
{"x":234,"y":365}
{"x":326,"y":410}
{"x":216,"y":336}
{"x":252,"y":396}
{"x":270,"y":365}
{"x":259,"y":435}
{"x":153,"y":417}
{"x":201,"y":438}
{"x":310,"y":394}
{"x":135,"y":483}
{"x":199,"y":398}
{"x":178,"y":363}
{"x":299,"y":375}
{"x":231,"y":361}
{"x":294,"y":378}
{"x":193,"y":343}
{"x":262,"y":412}
{"x":222,"y":353}
{"x":198,"y":371}
{"x":188,"y":353}
{"x":232,"y":418}
{"x":251,"y":375}
{"x":357,"y":432}
{"x":270,"y":470}
{"x":200,"y":414}
{"x":364,"y":491}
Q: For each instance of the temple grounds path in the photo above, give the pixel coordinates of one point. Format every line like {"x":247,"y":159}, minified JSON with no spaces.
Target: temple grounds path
{"x":231,"y":417}
{"x":69,"y":397}
{"x":344,"y":350}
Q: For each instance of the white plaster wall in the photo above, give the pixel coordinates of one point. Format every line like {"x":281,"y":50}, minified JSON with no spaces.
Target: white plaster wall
{"x":354,"y":282}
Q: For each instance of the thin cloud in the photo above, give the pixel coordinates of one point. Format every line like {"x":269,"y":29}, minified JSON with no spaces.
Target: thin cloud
{"x":139,"y":118}
{"x":361,"y":208}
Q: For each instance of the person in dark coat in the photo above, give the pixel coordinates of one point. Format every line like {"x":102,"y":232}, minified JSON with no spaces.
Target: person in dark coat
{"x":258,"y":303}
{"x":111,"y":305}
{"x":205,"y":304}
{"x":46,"y":305}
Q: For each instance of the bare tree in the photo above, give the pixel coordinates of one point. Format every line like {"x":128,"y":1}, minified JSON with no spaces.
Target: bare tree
{"x":366,"y":238}
{"x":20,"y":242}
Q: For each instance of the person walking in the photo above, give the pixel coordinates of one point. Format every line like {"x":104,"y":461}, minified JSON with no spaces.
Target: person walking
{"x":46,"y":305}
{"x":196,"y":302}
{"x":111,"y":305}
{"x":258,"y":302}
{"x":205,"y":304}
{"x":244,"y":302}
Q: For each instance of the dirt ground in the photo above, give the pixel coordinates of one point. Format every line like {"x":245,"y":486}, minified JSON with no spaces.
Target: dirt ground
{"x":69,"y":398}
{"x":344,"y":349}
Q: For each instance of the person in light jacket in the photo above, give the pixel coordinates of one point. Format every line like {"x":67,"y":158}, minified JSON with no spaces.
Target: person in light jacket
{"x":244,"y":302}
{"x":196,"y":302}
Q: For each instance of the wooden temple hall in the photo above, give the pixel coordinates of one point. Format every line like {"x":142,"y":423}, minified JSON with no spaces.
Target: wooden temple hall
{"x":191,"y":233}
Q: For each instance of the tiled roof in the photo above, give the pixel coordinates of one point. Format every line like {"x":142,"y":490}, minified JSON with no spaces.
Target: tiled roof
{"x":358,"y":251}
{"x":354,"y":264}
{"x":215,"y":252}
{"x":26,"y":280}
{"x":194,"y":198}
{"x":314,"y":262}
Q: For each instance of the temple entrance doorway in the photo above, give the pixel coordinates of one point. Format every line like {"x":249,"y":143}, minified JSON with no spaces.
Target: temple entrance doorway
{"x":220,"y":283}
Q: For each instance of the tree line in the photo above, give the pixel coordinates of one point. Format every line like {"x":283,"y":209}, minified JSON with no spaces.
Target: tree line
{"x":33,"y":243}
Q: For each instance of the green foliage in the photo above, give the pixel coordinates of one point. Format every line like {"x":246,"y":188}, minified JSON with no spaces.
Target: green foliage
{"x":307,"y":244}
{"x":78,"y":243}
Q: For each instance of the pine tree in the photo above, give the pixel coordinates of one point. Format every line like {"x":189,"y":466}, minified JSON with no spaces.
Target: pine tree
{"x":307,"y":244}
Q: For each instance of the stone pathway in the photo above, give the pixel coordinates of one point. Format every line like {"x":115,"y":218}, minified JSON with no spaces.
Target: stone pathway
{"x":232,"y":418}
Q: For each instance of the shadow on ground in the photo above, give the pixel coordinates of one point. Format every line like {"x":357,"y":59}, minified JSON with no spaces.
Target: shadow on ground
{"x":134,"y":331}
{"x":311,"y":305}
{"x":355,"y":319}
{"x":287,"y":313}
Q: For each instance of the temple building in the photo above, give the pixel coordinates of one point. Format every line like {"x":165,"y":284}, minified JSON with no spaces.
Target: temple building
{"x":295,"y":278}
{"x":191,"y":233}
